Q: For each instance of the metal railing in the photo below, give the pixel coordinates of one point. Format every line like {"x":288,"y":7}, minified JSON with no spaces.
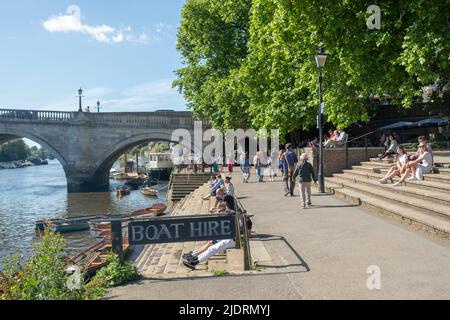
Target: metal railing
{"x":366,"y":146}
{"x":37,"y":115}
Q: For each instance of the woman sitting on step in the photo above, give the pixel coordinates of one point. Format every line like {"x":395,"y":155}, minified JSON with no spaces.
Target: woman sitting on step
{"x":417,"y":168}
{"x":400,"y":168}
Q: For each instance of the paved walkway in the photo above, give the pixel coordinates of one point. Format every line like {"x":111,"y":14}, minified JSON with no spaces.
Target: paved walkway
{"x":319,"y":253}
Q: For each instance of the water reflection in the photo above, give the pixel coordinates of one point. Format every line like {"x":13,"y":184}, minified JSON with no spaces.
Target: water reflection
{"x":35,"y":193}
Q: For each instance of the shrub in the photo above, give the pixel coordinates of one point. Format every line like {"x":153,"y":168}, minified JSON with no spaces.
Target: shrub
{"x":43,"y":277}
{"x":117,"y":272}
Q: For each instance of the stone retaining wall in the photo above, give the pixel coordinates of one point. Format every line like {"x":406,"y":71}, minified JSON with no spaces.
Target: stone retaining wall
{"x":335,"y":159}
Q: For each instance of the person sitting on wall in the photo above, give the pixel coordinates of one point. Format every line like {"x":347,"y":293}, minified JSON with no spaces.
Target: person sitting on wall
{"x":219,"y":205}
{"x":339,"y":140}
{"x":215,"y":184}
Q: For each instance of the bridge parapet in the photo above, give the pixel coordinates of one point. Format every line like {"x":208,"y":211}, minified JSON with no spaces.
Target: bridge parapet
{"x":172,"y":119}
{"x":35,"y":115}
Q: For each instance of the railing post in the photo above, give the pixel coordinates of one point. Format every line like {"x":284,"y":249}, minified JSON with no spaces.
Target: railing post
{"x":238,"y":231}
{"x":365,"y":145}
{"x":116,"y":237}
{"x":247,"y":254}
{"x":346,"y":155}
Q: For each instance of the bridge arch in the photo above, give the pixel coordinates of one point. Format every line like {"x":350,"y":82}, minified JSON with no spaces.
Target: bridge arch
{"x":13,"y":134}
{"x":105,"y":164}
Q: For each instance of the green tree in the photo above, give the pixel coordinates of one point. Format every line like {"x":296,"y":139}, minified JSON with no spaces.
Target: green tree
{"x":273,"y":82}
{"x":213,"y":41}
{"x":14,"y":151}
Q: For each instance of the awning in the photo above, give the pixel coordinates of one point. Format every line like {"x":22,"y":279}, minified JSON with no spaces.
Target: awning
{"x":397,"y":125}
{"x":432,"y":122}
{"x":426,"y":123}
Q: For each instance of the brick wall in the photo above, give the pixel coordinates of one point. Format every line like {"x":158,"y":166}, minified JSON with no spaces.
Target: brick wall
{"x":335,"y":159}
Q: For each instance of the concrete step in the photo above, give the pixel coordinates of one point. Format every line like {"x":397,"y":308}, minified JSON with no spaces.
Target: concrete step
{"x":427,"y":185}
{"x":414,"y":218}
{"x":431,"y":195}
{"x":426,"y":206}
{"x":443,"y":177}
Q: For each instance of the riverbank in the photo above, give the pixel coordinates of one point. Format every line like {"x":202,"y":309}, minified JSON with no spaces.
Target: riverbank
{"x":324,"y":252}
{"x":22,"y":164}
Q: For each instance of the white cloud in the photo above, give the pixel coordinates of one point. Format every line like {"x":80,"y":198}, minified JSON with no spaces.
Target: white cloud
{"x":71,"y":22}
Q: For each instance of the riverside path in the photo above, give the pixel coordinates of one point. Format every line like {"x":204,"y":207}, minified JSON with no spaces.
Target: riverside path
{"x":324,"y":252}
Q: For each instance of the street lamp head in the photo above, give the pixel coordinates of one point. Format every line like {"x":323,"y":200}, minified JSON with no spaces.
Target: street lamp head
{"x":98,"y":103}
{"x":321,"y":58}
{"x":80,"y":91}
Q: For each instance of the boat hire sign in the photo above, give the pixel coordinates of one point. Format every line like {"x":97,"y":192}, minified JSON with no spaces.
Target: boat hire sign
{"x":182,"y":229}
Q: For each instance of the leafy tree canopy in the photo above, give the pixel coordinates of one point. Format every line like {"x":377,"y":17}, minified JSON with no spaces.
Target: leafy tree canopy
{"x":252,"y":61}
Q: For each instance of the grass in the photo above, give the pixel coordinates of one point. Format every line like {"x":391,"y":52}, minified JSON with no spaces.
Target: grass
{"x":220,"y":273}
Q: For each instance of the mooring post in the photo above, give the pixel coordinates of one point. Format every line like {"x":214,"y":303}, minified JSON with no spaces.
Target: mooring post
{"x":116,"y":237}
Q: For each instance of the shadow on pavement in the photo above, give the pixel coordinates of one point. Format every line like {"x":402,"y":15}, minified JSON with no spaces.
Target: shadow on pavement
{"x":268,"y":237}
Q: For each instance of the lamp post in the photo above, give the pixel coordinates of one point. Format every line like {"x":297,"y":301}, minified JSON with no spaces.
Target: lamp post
{"x":98,"y":106}
{"x":321,"y":58}
{"x":80,"y":92}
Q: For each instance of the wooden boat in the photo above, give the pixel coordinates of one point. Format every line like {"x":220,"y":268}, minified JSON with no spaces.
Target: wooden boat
{"x":47,"y":223}
{"x":69,"y":227}
{"x":135,"y":184}
{"x":148,"y":191}
{"x":102,"y":227}
{"x":123,"y":190}
{"x":121,"y":176}
{"x":95,"y":257}
{"x":157,"y":209}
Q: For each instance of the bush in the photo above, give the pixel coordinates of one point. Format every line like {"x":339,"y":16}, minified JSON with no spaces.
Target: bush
{"x":117,"y":272}
{"x":44,"y":277}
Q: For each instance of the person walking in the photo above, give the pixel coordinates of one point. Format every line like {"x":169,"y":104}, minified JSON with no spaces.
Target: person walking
{"x":230,"y":163}
{"x":289,"y":161}
{"x":245,"y":167}
{"x":306,"y":173}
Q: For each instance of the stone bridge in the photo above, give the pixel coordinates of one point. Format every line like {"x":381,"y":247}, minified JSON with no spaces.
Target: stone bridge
{"x":88,"y":144}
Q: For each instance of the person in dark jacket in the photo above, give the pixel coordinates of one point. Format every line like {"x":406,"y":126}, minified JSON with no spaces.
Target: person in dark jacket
{"x":306,"y":173}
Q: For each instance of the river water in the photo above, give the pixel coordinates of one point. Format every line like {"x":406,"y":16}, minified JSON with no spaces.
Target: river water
{"x":35,"y":193}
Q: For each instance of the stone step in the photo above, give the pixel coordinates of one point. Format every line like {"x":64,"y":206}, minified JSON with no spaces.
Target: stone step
{"x":426,"y":206}
{"x":428,"y":185}
{"x":414,"y":218}
{"x":435,"y":196}
{"x":443,"y":177}
{"x":377,"y":164}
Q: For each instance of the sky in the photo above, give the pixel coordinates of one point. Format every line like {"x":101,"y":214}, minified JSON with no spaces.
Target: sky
{"x":121,"y":53}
